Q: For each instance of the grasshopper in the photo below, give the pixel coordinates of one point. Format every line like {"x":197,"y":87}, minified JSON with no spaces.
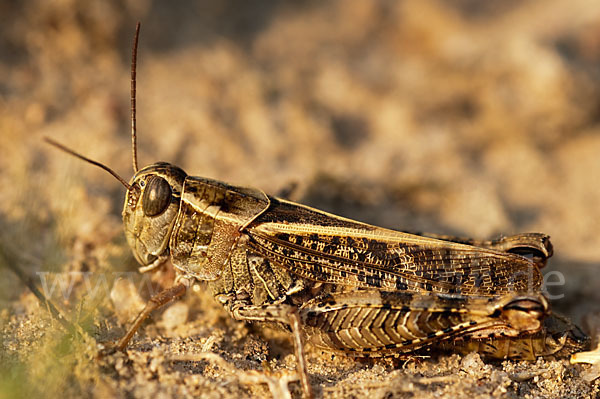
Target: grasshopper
{"x":340,"y":284}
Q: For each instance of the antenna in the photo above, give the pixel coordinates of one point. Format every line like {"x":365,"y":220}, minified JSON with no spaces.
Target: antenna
{"x":133,"y":121}
{"x":75,"y":154}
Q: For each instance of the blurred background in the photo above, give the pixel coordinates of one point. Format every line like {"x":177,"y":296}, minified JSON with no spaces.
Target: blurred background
{"x":459,"y":117}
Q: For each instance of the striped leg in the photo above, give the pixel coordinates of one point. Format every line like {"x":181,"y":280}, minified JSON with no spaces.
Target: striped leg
{"x":373,"y":323}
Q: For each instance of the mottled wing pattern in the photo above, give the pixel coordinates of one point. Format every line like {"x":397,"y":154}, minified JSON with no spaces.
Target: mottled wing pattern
{"x":326,"y":248}
{"x":536,"y":246}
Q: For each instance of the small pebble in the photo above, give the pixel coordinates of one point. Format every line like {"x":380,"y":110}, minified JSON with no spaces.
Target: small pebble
{"x":175,"y":315}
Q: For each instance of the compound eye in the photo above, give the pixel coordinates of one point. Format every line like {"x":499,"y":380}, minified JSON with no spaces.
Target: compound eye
{"x":157,"y":196}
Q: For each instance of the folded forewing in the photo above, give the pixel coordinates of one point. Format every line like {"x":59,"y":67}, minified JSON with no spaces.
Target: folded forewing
{"x":325,"y":248}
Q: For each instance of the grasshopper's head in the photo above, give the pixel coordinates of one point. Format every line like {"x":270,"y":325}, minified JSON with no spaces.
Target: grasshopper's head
{"x":151,"y":206}
{"x":150,"y":209}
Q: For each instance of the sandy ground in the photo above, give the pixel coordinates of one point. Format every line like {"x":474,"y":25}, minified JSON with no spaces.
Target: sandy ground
{"x":452,"y":117}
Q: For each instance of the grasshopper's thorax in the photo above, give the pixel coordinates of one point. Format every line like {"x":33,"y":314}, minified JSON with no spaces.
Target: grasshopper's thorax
{"x":150,"y":209}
